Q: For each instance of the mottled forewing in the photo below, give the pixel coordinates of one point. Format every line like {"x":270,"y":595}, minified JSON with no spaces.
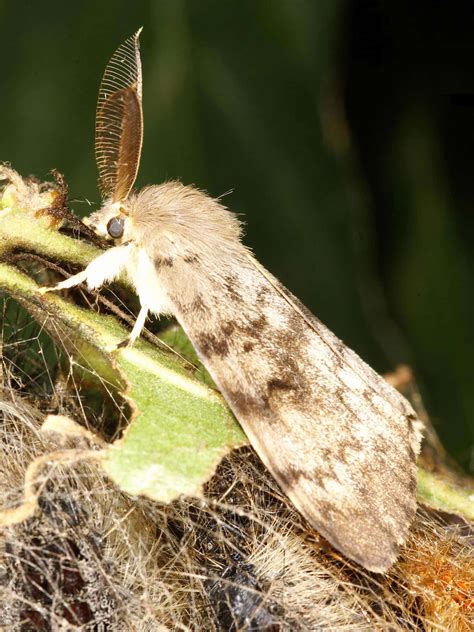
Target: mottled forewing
{"x":119,"y":121}
{"x":339,"y":440}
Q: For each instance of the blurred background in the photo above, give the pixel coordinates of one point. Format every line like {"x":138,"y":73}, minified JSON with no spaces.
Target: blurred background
{"x":344,"y":128}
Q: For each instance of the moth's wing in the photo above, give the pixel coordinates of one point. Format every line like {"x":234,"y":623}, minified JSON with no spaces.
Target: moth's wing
{"x":339,"y":440}
{"x":119,"y":121}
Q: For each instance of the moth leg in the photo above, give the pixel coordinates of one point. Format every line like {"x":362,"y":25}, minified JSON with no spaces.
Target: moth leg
{"x":71,"y":282}
{"x":105,"y":267}
{"x":137,"y":329}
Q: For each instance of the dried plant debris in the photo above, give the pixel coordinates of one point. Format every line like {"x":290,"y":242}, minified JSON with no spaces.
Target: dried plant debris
{"x":241,"y":558}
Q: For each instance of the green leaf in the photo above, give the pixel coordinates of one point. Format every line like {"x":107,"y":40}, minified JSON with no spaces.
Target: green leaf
{"x":175,"y":338}
{"x":181,"y":427}
{"x":443,"y":494}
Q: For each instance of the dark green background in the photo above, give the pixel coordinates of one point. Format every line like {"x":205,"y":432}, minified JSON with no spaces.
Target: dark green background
{"x":345,"y":130}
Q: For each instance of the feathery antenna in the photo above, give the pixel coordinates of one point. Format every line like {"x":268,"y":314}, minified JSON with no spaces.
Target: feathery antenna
{"x":119,"y":121}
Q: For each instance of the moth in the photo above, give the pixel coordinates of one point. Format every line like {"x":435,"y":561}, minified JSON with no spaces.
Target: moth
{"x":338,"y":439}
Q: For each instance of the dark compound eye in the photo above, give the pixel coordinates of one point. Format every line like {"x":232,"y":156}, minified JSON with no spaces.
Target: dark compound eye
{"x":115,"y":227}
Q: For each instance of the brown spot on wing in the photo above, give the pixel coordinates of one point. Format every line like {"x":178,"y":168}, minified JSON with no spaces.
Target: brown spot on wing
{"x":198,"y":303}
{"x":262,"y":295}
{"x":197,"y":306}
{"x":277,"y":384}
{"x":290,"y":476}
{"x":246,"y":404}
{"x":164,"y":261}
{"x":212,"y":344}
{"x":228,"y":328}
{"x":231,"y":285}
{"x":255,"y":327}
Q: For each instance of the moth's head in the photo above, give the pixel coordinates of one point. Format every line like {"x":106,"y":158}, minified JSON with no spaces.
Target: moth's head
{"x":112,"y":222}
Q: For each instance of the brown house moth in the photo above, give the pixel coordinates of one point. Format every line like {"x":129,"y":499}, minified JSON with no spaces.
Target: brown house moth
{"x":338,"y":439}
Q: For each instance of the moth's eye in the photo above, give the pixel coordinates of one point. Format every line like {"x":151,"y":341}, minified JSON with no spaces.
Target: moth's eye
{"x":115,"y":227}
